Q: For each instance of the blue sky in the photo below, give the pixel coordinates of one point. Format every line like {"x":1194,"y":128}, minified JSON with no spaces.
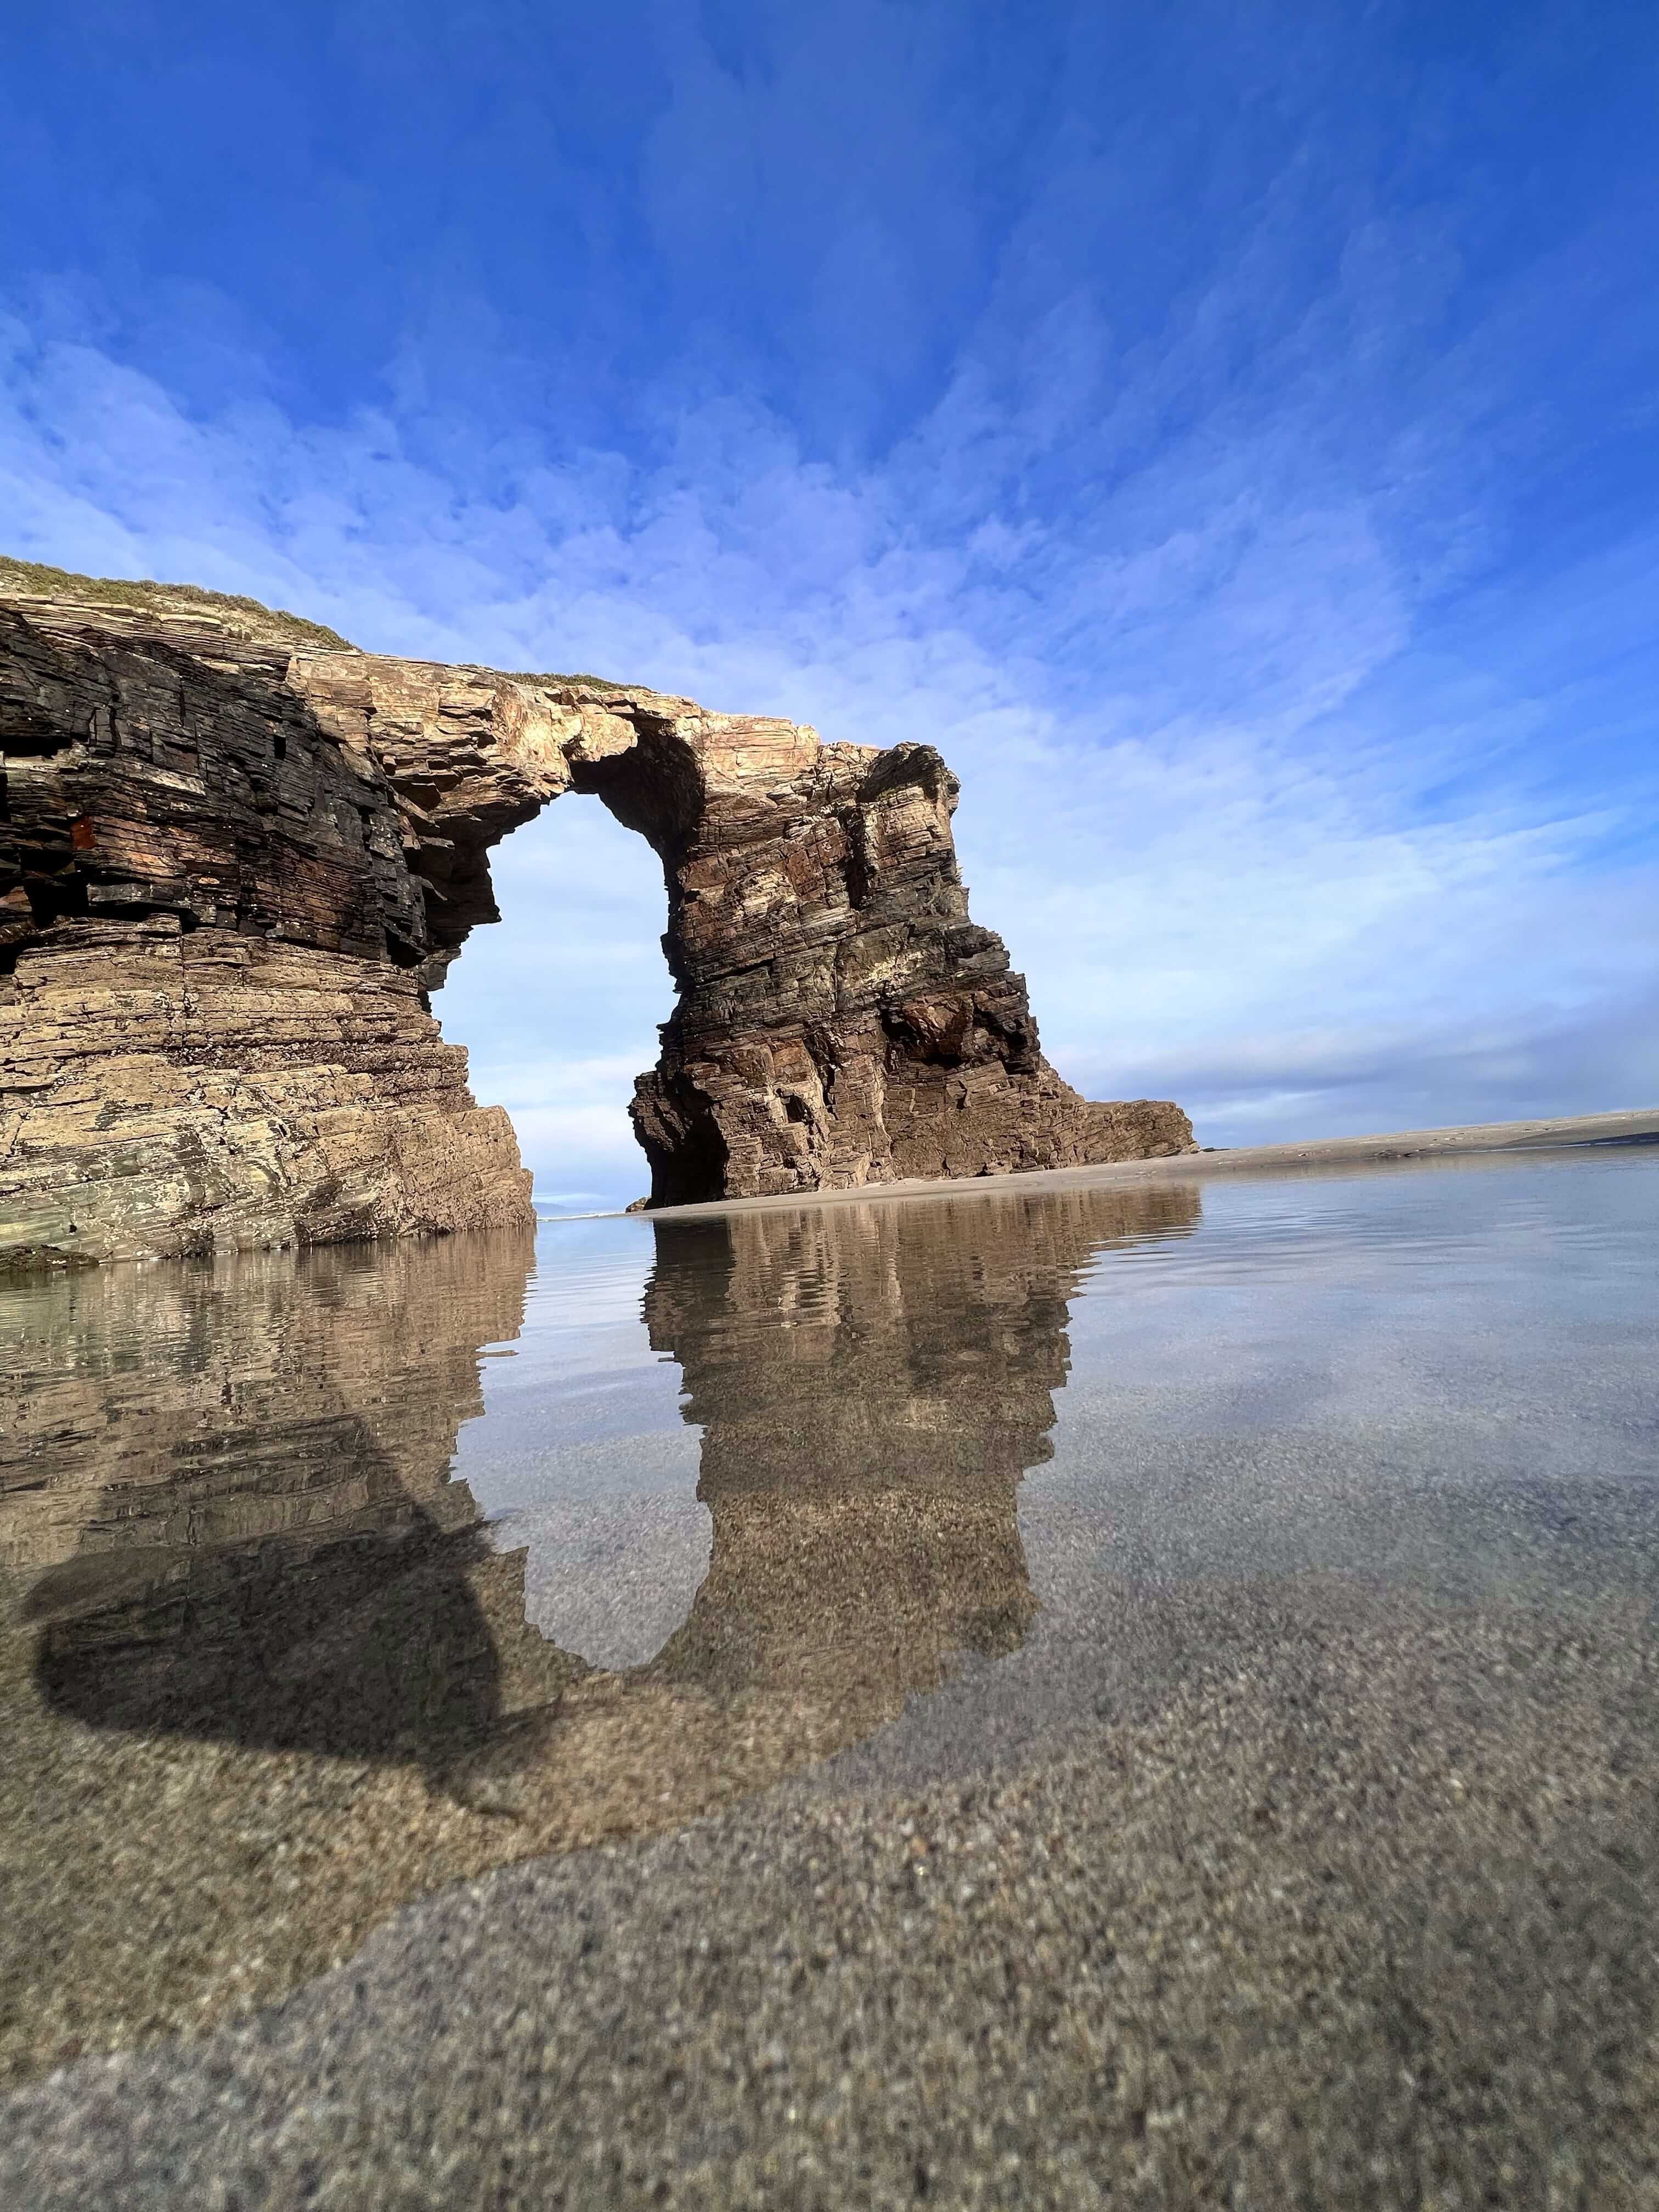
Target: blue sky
{"x":1229,"y":432}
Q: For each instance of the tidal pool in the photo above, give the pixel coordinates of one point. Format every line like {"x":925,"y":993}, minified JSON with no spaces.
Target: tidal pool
{"x":329,"y":1579}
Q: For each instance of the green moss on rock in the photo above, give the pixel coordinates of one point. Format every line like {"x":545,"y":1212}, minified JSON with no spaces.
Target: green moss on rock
{"x":247,"y":617}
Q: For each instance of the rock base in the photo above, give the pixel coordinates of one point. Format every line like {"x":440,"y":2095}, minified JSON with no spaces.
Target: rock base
{"x":174,"y":1093}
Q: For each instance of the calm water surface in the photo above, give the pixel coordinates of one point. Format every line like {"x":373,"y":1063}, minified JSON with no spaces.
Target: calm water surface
{"x":327,"y":1578}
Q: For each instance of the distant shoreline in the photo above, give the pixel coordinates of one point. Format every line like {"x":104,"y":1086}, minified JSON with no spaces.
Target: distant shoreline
{"x":1565,"y":1130}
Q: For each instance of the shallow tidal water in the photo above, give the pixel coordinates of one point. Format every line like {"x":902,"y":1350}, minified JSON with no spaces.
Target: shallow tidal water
{"x":329,"y":1579}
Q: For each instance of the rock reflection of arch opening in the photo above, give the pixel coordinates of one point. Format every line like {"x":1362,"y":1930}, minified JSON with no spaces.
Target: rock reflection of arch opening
{"x":281,"y":1558}
{"x":872,"y":1382}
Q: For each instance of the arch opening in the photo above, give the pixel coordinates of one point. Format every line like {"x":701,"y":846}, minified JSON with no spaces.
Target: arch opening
{"x":558,"y":1004}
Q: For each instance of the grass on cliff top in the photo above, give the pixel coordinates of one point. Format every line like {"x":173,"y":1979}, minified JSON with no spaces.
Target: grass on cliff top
{"x":275,"y":623}
{"x":546,"y":676}
{"x":253,"y":617}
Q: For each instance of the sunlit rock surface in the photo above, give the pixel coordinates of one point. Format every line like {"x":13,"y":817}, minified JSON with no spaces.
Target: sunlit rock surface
{"x":236,"y":857}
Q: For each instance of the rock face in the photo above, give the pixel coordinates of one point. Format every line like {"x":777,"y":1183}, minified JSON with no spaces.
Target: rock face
{"x":236,"y":857}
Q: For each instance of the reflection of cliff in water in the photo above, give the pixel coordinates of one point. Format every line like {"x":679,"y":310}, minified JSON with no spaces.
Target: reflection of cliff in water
{"x":228,"y":1511}
{"x":228,"y":1503}
{"x":873,"y":1381}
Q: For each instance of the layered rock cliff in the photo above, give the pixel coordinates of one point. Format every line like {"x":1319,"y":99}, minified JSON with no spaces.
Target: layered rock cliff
{"x":237,"y":856}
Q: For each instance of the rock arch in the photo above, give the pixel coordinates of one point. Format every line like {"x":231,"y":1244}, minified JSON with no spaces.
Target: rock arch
{"x":237,"y":857}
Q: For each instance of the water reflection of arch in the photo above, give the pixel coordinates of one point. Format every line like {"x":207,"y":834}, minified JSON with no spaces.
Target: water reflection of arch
{"x":872,"y":1382}
{"x":227,"y":1517}
{"x":247,"y":1528}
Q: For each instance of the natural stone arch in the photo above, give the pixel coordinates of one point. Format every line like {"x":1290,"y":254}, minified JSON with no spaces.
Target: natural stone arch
{"x":236,"y":862}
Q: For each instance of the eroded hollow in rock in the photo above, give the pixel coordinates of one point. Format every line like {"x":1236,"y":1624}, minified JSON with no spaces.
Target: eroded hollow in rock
{"x":235,"y":862}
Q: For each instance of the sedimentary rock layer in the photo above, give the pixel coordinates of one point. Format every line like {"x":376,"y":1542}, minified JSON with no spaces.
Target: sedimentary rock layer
{"x":236,"y":858}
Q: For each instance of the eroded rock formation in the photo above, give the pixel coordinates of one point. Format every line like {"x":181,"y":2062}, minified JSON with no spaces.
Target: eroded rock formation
{"x":236,"y":857}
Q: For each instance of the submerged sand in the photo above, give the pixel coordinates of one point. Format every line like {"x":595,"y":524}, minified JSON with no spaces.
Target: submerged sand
{"x":1335,"y":1899}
